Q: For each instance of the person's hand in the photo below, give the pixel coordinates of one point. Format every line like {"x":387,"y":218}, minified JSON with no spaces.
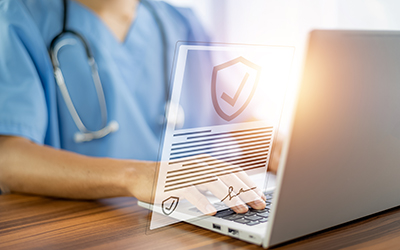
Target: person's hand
{"x":224,"y":189}
{"x":234,"y":189}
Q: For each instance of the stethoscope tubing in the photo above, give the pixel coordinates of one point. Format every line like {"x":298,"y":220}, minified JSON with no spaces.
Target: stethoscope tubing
{"x":56,"y":45}
{"x":64,"y":90}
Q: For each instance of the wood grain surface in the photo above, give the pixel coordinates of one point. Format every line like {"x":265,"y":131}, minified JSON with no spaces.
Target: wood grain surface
{"x":30,"y":222}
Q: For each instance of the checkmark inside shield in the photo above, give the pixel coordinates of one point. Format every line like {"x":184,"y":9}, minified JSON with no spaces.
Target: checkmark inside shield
{"x":170,"y":206}
{"x":232,"y":100}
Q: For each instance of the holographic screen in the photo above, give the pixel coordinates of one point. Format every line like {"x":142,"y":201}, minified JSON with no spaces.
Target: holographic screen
{"x":224,"y":112}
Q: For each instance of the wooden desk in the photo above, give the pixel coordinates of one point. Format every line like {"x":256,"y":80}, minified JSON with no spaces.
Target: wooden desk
{"x":119,"y":223}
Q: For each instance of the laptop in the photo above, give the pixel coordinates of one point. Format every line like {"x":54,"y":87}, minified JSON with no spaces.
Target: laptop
{"x":341,"y":159}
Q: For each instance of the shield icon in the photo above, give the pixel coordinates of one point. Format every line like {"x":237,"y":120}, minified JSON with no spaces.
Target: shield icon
{"x":229,"y":105}
{"x":169,"y":205}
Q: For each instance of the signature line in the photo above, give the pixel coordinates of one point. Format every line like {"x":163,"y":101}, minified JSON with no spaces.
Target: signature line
{"x":233,"y":100}
{"x":232,"y":195}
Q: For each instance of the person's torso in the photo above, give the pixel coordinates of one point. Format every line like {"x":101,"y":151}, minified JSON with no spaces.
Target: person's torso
{"x":131,"y":73}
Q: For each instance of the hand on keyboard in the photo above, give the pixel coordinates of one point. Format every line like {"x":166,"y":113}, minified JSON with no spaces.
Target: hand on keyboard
{"x":235,"y":189}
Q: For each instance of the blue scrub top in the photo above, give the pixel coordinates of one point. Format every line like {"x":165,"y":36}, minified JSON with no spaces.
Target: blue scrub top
{"x":131,"y":73}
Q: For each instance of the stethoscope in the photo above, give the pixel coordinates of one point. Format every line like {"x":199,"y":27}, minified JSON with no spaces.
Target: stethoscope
{"x":84,"y":134}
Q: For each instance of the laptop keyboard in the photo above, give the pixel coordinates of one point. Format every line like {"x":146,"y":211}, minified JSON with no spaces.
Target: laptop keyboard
{"x":251,"y":218}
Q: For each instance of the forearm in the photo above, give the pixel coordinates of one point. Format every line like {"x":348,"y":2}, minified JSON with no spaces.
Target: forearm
{"x":30,"y":168}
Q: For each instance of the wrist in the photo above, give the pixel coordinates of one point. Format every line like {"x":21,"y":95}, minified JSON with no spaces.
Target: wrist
{"x":114,"y":176}
{"x":138,"y":179}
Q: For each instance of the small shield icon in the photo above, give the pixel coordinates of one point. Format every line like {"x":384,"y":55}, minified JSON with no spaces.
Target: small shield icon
{"x":228,"y":102}
{"x":169,"y":205}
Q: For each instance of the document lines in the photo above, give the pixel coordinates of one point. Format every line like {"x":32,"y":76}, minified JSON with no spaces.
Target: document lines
{"x":231,"y":97}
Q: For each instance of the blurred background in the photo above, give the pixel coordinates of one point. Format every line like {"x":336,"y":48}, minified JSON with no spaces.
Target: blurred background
{"x":287,"y":22}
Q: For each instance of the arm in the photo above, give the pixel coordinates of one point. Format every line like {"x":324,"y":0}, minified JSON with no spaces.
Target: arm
{"x":26,"y":167}
{"x":30,"y":168}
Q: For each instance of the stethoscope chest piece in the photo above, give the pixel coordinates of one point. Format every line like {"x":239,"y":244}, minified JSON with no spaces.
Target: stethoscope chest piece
{"x":111,"y":127}
{"x":175,"y":114}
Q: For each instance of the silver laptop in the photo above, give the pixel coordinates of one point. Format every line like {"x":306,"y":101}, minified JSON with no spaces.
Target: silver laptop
{"x":341,"y":161}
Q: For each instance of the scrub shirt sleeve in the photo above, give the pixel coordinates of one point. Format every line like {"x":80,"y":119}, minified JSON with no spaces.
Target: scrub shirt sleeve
{"x":23,"y":110}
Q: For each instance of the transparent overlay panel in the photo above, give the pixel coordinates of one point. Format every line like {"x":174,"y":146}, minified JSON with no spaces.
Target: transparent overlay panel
{"x":222,"y":118}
